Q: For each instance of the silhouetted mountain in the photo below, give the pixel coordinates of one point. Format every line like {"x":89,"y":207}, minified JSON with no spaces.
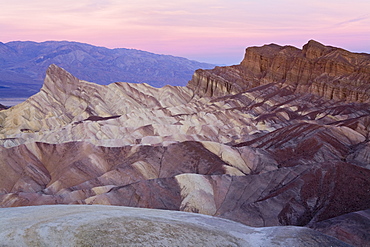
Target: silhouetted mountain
{"x":23,"y":65}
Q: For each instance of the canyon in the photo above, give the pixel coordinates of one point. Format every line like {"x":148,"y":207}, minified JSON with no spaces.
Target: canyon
{"x":280,"y":140}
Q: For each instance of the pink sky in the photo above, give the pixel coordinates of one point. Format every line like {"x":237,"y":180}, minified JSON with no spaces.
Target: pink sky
{"x":212,"y":31}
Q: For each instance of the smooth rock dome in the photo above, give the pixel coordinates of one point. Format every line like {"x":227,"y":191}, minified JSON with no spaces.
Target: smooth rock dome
{"x":76,"y":225}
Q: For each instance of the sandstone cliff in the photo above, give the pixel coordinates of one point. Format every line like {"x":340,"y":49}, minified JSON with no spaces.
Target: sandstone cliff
{"x":325,"y":71}
{"x":266,"y":156}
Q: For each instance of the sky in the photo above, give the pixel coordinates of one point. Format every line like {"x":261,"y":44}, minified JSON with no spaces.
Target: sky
{"x":213,"y":31}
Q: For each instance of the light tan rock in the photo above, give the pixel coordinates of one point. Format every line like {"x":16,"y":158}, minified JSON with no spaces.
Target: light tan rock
{"x":197,"y":194}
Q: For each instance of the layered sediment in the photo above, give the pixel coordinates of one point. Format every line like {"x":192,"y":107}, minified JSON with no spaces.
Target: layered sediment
{"x":325,"y":71}
{"x":253,"y":143}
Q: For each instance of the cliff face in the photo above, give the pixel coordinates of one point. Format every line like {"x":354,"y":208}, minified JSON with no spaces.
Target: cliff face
{"x":321,"y":70}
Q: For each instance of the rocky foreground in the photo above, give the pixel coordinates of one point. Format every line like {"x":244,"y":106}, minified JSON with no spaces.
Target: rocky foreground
{"x":248,"y":143}
{"x":122,"y":226}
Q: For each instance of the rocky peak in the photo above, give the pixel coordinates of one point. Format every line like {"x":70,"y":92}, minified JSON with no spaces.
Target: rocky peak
{"x":59,"y":83}
{"x":64,"y":99}
{"x":326,"y":71}
{"x":57,"y":76}
{"x":314,"y":49}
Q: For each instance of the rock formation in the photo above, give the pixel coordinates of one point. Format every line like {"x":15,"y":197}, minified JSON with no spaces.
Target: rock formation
{"x":122,"y":226}
{"x":259,"y":153}
{"x":325,"y":71}
{"x":352,"y":228}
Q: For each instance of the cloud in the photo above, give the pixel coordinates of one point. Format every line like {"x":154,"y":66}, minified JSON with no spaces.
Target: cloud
{"x":359,"y":19}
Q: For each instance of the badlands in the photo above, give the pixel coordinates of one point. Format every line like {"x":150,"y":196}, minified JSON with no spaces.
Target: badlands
{"x":280,"y":141}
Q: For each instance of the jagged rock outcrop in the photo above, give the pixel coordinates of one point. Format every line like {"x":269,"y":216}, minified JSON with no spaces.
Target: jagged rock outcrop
{"x":122,"y":226}
{"x":266,"y":156}
{"x":325,"y":71}
{"x":64,"y":99}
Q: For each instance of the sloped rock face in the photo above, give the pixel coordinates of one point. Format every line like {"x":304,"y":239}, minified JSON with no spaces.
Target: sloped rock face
{"x":325,"y":71}
{"x":122,"y":226}
{"x":184,"y":176}
{"x":264,"y":156}
{"x":64,"y":99}
{"x":352,"y":228}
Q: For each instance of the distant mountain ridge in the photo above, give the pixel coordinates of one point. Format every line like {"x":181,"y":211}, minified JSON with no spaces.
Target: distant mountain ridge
{"x":23,"y":65}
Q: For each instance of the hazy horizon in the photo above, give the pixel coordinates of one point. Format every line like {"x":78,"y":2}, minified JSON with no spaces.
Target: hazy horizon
{"x":207,"y":31}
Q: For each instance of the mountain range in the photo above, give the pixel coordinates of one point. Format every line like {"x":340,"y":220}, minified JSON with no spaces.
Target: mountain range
{"x":23,"y":65}
{"x":279,"y":141}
